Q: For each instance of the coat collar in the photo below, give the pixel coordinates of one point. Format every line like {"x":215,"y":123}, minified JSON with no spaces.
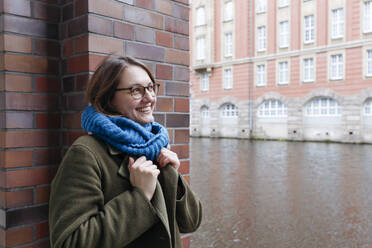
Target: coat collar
{"x":123,"y":170}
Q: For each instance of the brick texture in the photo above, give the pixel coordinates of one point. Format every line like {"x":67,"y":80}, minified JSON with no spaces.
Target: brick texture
{"x":49,"y":50}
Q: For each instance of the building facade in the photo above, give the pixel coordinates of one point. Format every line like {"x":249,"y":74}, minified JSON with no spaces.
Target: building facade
{"x":282,"y":69}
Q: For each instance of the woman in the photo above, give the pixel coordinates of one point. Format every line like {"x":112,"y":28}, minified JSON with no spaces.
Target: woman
{"x":119,"y":186}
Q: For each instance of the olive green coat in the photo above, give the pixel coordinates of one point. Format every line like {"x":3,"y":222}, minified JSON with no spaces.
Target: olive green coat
{"x":93,"y":204}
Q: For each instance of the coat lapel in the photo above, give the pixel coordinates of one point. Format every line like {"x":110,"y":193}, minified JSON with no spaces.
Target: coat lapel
{"x":157,"y":201}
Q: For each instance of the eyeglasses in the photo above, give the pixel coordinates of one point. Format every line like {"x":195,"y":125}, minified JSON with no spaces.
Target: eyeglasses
{"x":138,"y":91}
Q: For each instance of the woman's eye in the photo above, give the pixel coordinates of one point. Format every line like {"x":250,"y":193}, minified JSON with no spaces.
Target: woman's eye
{"x":136,"y":90}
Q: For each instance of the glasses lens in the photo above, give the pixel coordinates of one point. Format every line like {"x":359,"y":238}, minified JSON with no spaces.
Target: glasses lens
{"x":137,"y":92}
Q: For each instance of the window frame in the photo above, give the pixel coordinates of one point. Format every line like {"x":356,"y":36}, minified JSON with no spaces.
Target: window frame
{"x":284,"y":34}
{"x":281,"y":72}
{"x":367,"y":103}
{"x":339,"y":32}
{"x":281,"y":4}
{"x":204,"y":81}
{"x":261,"y":6}
{"x":204,"y":112}
{"x":227,"y":79}
{"x":320,"y":108}
{"x":339,"y":64}
{"x":198,"y":22}
{"x":369,"y":62}
{"x":260,"y":75}
{"x":261,"y":39}
{"x":270,"y":109}
{"x":367,"y":20}
{"x":228,"y":45}
{"x":309,"y":28}
{"x":305,"y":70}
{"x":200,"y":51}
{"x":228,"y":16}
{"x":229,"y":110}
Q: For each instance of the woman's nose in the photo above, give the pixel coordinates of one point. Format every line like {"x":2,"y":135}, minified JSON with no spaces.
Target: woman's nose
{"x":148,"y":95}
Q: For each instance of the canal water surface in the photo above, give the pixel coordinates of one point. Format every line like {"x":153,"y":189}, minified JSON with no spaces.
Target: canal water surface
{"x":282,"y":194}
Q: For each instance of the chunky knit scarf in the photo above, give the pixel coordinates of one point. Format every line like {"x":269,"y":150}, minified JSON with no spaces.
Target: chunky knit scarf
{"x":126,"y":135}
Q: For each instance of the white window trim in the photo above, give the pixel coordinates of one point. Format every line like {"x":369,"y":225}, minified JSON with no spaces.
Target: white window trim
{"x":202,"y":81}
{"x":367,"y":102}
{"x":229,"y":18}
{"x":259,"y":38}
{"x":338,"y":78}
{"x":338,"y":35}
{"x":228,"y":48}
{"x":204,"y":112}
{"x":224,"y":78}
{"x":259,"y":8}
{"x":200,"y":57}
{"x":278,"y":72}
{"x":367,"y":61}
{"x":283,"y":5}
{"x":231,"y":110}
{"x":286,"y":45}
{"x":257,"y":75}
{"x":197,"y":17}
{"x":310,"y":105}
{"x":311,"y":30}
{"x":303,"y":69}
{"x":363,"y":9}
{"x":272,"y":110}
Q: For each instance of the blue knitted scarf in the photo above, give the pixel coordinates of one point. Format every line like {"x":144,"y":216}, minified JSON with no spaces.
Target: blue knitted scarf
{"x":126,"y":135}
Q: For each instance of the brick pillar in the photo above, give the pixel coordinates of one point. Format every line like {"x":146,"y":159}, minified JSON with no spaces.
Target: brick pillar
{"x":30,"y":118}
{"x":42,"y":90}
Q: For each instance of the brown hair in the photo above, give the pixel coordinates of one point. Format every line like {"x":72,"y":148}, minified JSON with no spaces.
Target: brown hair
{"x":102,"y":85}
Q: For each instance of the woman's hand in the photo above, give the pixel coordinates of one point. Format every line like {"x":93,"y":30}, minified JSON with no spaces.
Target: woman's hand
{"x":143,"y":175}
{"x":166,"y":157}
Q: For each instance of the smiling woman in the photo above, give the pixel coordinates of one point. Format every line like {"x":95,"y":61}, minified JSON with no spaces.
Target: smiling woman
{"x":119,"y":187}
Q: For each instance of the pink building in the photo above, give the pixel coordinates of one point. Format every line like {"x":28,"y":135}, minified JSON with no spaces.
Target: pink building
{"x":282,"y":69}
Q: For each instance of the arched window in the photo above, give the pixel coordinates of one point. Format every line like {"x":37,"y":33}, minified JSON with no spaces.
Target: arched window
{"x":272,"y":108}
{"x":368,"y":107}
{"x":229,"y":110}
{"x":204,"y":110}
{"x":323,"y":106}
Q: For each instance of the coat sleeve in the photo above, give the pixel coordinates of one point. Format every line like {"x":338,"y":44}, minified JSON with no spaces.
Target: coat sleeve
{"x":78,"y":216}
{"x":188,"y":208}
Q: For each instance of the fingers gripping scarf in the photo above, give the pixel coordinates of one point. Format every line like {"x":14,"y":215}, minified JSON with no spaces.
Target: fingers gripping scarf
{"x":125,"y":134}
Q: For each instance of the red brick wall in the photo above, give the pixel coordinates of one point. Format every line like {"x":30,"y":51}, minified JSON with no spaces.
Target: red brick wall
{"x":49,"y":48}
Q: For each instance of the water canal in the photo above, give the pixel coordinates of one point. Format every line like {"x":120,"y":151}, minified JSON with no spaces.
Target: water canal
{"x":282,"y":194}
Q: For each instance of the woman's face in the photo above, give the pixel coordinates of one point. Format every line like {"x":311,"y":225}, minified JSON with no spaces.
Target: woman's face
{"x":138,"y":110}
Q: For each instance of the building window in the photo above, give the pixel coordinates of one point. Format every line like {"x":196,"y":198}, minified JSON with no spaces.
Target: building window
{"x":368,"y":107}
{"x":308,"y":70}
{"x":323,"y":106}
{"x":204,"y":110}
{"x":200,"y":48}
{"x":261,"y":75}
{"x":261,"y":38}
{"x":200,"y":16}
{"x":367,"y":19}
{"x":227,"y":79}
{"x":283,"y":34}
{"x":283,"y":72}
{"x":204,"y":81}
{"x":337,"y":66}
{"x":272,"y":108}
{"x":228,"y":11}
{"x":282,"y":3}
{"x":229,"y":110}
{"x":369,"y":62}
{"x":338,"y":23}
{"x":228,"y":45}
{"x":261,"y":6}
{"x":309,"y":32}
